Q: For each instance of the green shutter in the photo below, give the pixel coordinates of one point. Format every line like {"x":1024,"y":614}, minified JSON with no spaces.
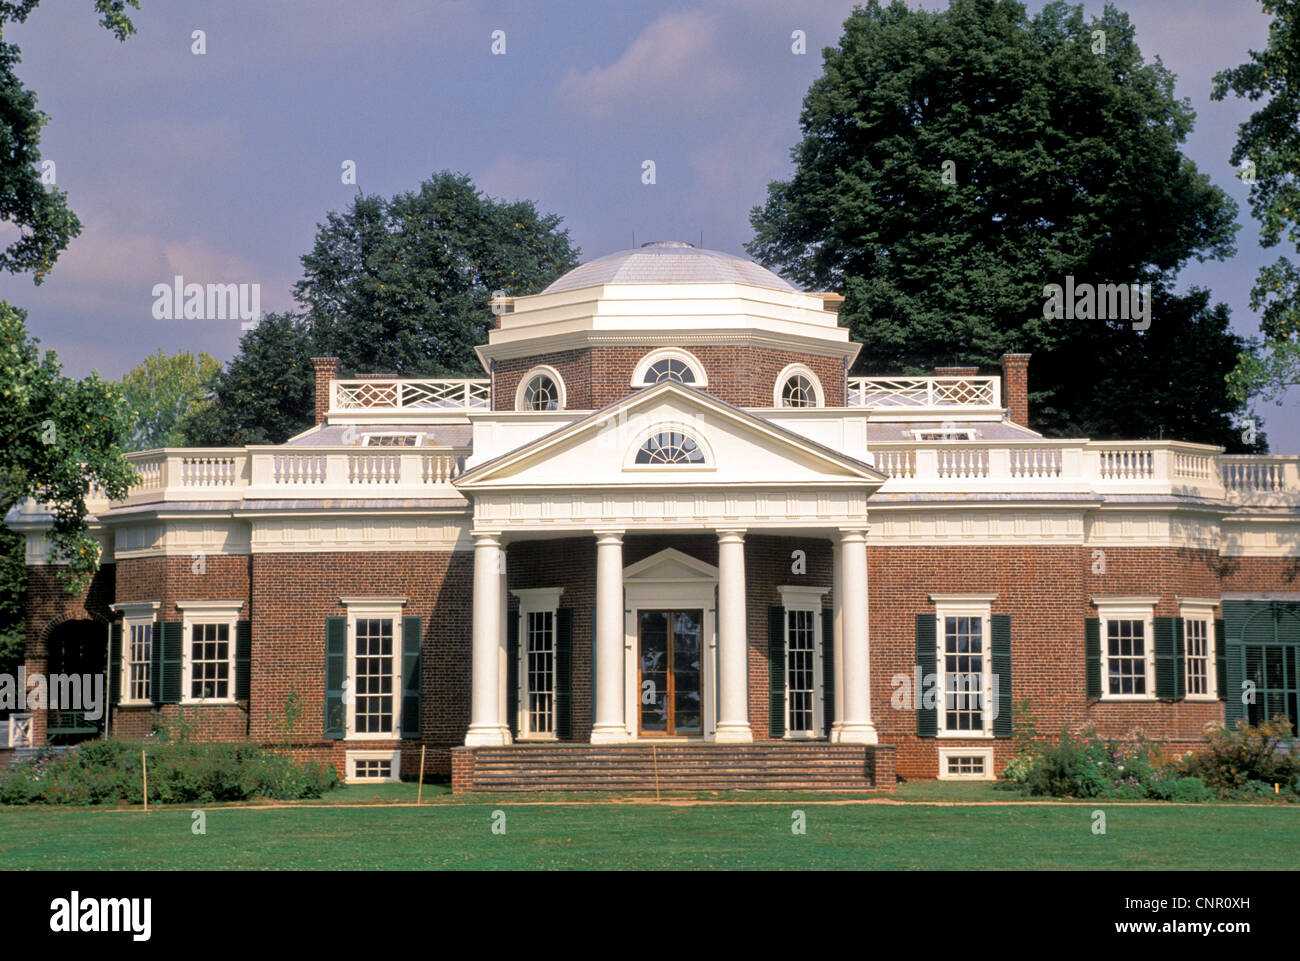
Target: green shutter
{"x":564,"y":673}
{"x":512,"y":672}
{"x":1220,"y":660}
{"x":115,"y":664}
{"x":336,"y":672}
{"x":412,"y":641}
{"x":1180,"y":659}
{"x":1233,"y":709}
{"x":1163,"y":645}
{"x":927,"y":718}
{"x":1092,"y":656}
{"x":776,"y":670}
{"x":243,"y":659}
{"x":173,"y":641}
{"x":155,"y":663}
{"x":828,"y":669}
{"x":1001,"y":634}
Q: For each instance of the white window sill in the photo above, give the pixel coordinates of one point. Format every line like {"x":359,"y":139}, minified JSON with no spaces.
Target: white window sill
{"x":527,"y":738}
{"x":1130,"y":698}
{"x":383,"y":736}
{"x":1202,"y":698}
{"x":136,"y":704}
{"x":966,"y":735}
{"x":803,"y":736}
{"x":201,"y":701}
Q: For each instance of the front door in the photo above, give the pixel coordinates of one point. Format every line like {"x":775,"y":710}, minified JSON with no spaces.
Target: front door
{"x":669,"y":672}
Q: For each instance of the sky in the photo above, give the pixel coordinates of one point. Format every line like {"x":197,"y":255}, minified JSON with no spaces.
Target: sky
{"x":219,"y":166}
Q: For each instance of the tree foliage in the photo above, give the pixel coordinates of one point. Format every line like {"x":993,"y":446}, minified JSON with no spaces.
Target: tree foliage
{"x":1268,"y":153}
{"x":399,"y":285}
{"x":45,"y":224}
{"x":955,"y":163}
{"x":61,"y":437}
{"x":163,"y":393}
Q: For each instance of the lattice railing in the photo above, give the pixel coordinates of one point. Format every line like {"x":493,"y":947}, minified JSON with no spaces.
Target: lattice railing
{"x":399,"y":394}
{"x":973,"y":391}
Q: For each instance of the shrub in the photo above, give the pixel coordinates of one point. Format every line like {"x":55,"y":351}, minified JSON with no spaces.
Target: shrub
{"x":1234,"y":758}
{"x":108,"y":771}
{"x":1088,"y":766}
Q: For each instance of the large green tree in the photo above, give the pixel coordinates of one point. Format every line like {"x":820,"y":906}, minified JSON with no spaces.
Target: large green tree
{"x":955,"y":163}
{"x":45,"y":224}
{"x":1268,"y":154}
{"x":163,"y":393}
{"x":399,"y":285}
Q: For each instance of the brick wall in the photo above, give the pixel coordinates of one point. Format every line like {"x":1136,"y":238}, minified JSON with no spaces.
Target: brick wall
{"x":740,"y":375}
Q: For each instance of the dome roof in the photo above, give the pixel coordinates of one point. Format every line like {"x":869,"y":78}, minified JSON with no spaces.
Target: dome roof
{"x":668,"y":262}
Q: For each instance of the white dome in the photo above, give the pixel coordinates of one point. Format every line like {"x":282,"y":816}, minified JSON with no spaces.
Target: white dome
{"x":669,"y":262}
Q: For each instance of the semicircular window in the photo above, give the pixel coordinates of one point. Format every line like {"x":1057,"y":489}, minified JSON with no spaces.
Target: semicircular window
{"x":670,"y":447}
{"x":541,"y":394}
{"x":798,"y":391}
{"x":669,"y":368}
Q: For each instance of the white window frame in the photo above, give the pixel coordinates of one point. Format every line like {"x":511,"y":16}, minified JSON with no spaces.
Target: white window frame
{"x":363,"y":608}
{"x":539,"y":600}
{"x":195,"y":613}
{"x":940,"y":435}
{"x":369,"y":436}
{"x":669,"y":353}
{"x":986,"y":753}
{"x":555,"y":378}
{"x":1127,"y":609}
{"x":797,"y":370}
{"x":137,"y":614}
{"x":690,"y":430}
{"x":1199,"y":609}
{"x":963,"y":605}
{"x":394,"y":772}
{"x":808,"y":599}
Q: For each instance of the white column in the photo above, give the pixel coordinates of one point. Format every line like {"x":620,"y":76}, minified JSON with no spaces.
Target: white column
{"x":855,"y":725}
{"x":486,"y":727}
{"x":733,"y":655}
{"x":837,"y":647}
{"x":503,"y":649}
{"x":610,"y":727}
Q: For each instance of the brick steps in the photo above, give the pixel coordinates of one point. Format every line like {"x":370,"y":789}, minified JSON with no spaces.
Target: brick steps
{"x":669,"y":767}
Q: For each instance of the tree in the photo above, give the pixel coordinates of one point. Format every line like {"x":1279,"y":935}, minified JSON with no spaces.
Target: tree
{"x":404,"y":285}
{"x":954,"y":164}
{"x":162,"y":393}
{"x":61,"y":437}
{"x":44,"y":222}
{"x":266,"y":394}
{"x":1268,"y":151}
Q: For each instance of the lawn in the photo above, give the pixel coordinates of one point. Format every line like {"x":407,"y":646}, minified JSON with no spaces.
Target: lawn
{"x":935,"y":826}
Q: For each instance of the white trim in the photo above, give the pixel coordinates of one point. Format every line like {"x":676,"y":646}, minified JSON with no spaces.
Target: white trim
{"x":982,"y":752}
{"x":671,"y":426}
{"x":1201,"y":609}
{"x":534,"y":600}
{"x":208,"y":612}
{"x":136,"y":610}
{"x":801,"y":370}
{"x":556,"y":379}
{"x":1127,"y":608}
{"x":808,"y":599}
{"x":394,"y":757}
{"x":964,"y":605}
{"x":382,"y":608}
{"x":138,"y":614}
{"x":365,"y":439}
{"x":669,"y":353}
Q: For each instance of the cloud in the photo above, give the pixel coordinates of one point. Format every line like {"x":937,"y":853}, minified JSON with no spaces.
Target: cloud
{"x":674,"y":60}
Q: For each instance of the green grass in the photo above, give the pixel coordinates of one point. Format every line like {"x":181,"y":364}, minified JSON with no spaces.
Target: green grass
{"x":455,"y":833}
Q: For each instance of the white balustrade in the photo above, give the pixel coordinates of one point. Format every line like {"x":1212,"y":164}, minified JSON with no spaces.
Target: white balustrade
{"x":926,"y":392}
{"x":400,"y":394}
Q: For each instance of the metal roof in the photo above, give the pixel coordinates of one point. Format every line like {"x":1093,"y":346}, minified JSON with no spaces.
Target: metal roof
{"x":669,"y":262}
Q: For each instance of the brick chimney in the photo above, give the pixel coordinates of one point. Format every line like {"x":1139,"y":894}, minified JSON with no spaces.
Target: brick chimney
{"x":1015,"y":387}
{"x":327,"y":369}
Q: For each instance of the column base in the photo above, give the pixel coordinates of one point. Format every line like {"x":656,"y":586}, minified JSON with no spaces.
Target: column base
{"x":854,"y":733}
{"x":610,"y":734}
{"x":487,"y":735}
{"x":733,"y":733}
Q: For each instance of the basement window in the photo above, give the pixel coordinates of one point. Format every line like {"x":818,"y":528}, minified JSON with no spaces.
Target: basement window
{"x":966,"y":764}
{"x":374,"y":766}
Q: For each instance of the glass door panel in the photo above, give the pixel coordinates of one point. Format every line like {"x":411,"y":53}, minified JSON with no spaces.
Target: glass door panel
{"x":671,"y":672}
{"x":688,"y":709}
{"x":653,"y":678}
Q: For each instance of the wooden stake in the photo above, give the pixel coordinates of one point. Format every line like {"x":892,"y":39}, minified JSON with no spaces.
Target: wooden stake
{"x":144,"y":772}
{"x":420,"y":790}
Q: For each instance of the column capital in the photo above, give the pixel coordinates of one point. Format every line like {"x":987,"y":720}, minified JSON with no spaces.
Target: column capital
{"x":485,"y":537}
{"x":731,"y":534}
{"x":609,"y":535}
{"x":853,"y":534}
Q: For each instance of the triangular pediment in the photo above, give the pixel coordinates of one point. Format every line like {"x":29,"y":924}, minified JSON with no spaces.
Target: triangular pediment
{"x":670,"y":564}
{"x":738,"y":449}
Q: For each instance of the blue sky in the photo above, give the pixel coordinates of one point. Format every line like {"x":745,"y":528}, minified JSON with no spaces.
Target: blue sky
{"x":218,"y":167}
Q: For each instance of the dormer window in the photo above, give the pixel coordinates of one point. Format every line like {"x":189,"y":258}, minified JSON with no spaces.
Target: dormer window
{"x":391,"y":440}
{"x":798,"y":386}
{"x":669,"y":365}
{"x":944,"y":434}
{"x":542,"y":389}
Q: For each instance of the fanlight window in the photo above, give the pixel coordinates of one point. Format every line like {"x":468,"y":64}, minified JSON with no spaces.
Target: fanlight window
{"x":541,"y":394}
{"x":669,"y":369}
{"x":798,"y":391}
{"x":670,"y":447}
